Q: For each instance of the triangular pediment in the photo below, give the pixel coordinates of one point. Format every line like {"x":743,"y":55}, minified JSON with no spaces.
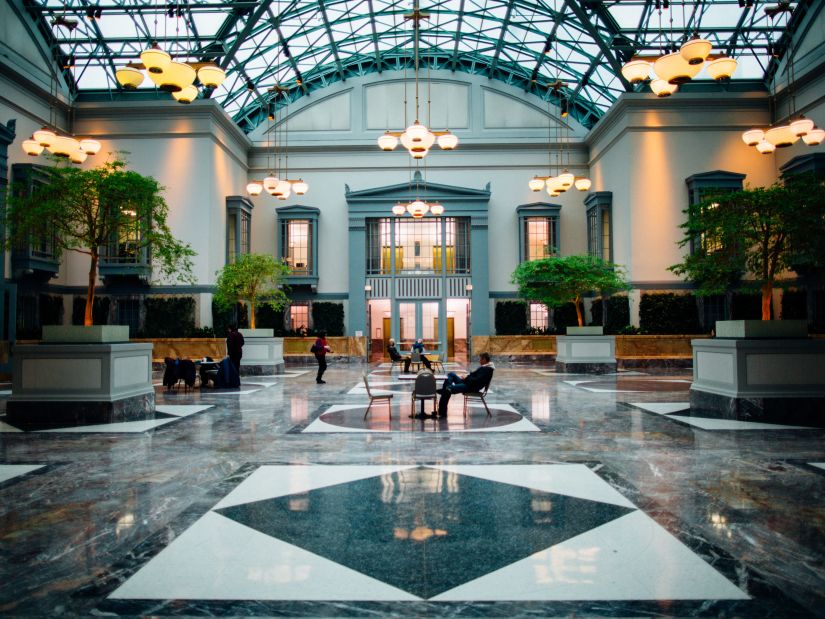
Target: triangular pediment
{"x":418,"y":189}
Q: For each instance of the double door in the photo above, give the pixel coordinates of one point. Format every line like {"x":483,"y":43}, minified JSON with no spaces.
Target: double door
{"x":421,"y":319}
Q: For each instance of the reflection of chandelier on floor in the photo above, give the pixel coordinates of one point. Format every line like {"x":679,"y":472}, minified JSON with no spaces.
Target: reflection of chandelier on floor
{"x":564,"y":180}
{"x":170,"y":75}
{"x":417,"y":138}
{"x":280,"y":188}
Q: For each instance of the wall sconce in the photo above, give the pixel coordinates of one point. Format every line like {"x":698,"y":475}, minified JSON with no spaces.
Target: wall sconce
{"x":468,"y":287}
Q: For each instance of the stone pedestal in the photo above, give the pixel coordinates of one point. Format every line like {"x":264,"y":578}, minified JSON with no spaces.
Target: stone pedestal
{"x":80,"y":384}
{"x":263,"y":354}
{"x":586,"y":354}
{"x":769,"y":380}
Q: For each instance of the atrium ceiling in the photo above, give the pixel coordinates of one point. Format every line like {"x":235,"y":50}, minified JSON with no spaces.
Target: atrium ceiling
{"x":309,"y":44}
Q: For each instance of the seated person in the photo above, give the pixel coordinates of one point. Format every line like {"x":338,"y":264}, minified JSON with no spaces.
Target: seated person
{"x":393,"y":351}
{"x":418,"y":346}
{"x":475,"y":381}
{"x":208,"y":370}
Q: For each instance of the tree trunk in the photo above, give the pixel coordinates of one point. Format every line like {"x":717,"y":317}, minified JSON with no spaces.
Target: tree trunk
{"x":577,"y":303}
{"x":88,"y":321}
{"x":767,"y":294}
{"x":251,"y":315}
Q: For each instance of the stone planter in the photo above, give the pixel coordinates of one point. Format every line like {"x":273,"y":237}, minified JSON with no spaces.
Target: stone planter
{"x":263,"y":354}
{"x":78,"y":334}
{"x":586,"y":354}
{"x":79,"y":384}
{"x":585,"y":331}
{"x":770,"y":380}
{"x":761,"y":329}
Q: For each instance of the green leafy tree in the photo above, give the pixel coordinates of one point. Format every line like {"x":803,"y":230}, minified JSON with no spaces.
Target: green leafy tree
{"x":764,"y":231}
{"x":255,"y":279}
{"x":84,"y":210}
{"x":556,"y":281}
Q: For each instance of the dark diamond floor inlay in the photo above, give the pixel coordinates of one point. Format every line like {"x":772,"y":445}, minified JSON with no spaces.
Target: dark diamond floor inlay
{"x":424,"y":530}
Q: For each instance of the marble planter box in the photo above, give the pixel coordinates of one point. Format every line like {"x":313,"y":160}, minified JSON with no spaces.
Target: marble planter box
{"x":586,"y":354}
{"x":761,"y":328}
{"x":78,"y":384}
{"x":585,"y":331}
{"x":78,"y":334}
{"x":263,"y":354}
{"x":770,"y":380}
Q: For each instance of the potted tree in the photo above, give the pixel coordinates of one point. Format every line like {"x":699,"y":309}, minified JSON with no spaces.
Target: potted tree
{"x":559,"y":280}
{"x":255,"y":279}
{"x":91,"y":374}
{"x":763,"y":369}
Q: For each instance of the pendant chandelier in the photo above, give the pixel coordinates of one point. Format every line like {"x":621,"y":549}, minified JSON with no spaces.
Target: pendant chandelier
{"x":417,"y":138}
{"x":55,"y":142}
{"x":281,"y":188}
{"x":678,"y":66}
{"x":417,"y":208}
{"x":788,"y":133}
{"x":564,"y":180}
{"x":175,"y":77}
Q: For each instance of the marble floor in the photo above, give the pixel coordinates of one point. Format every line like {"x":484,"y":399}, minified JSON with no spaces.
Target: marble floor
{"x":586,"y":496}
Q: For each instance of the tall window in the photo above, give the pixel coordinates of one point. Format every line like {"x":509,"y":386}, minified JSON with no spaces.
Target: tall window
{"x":299,"y":316}
{"x":538,"y":230}
{"x":599,"y":207}
{"x":423,"y":246}
{"x":238,"y":227}
{"x":124,"y":248}
{"x":700,"y":187}
{"x":297,"y":239}
{"x":298,"y":243}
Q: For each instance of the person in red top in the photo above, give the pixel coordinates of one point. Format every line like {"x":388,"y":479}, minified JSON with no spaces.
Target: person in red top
{"x":320,"y":348}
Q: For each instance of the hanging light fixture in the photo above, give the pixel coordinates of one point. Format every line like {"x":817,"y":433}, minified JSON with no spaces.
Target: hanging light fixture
{"x":129,"y":77}
{"x":636,"y":71}
{"x":187,"y":94}
{"x":801,"y":126}
{"x":583,"y":184}
{"x":155,"y":59}
{"x":721,"y":68}
{"x":814,"y":137}
{"x":399,"y":209}
{"x":662,"y":88}
{"x":32,"y":147}
{"x":696,"y":50}
{"x":752,"y":137}
{"x":211,"y":75}
{"x":417,"y":138}
{"x":674,"y":69}
{"x":254,"y":188}
{"x":765,"y":147}
{"x":781,"y":136}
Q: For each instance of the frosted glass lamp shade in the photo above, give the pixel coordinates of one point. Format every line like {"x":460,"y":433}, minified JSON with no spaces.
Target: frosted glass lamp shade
{"x":752,"y":137}
{"x":129,"y":77}
{"x":447,"y":141}
{"x":636,"y":71}
{"x":766,"y":148}
{"x":696,"y":51}
{"x":270,"y":183}
{"x":721,"y":68}
{"x":387,"y":141}
{"x":155,"y":59}
{"x":186,"y":95}
{"x":583,"y":184}
{"x":211,"y":76}
{"x":399,"y":209}
{"x":419,"y":153}
{"x":417,"y":138}
{"x":436,"y":209}
{"x":300,"y":187}
{"x":801,"y":126}
{"x":175,"y":77}
{"x":674,"y":69}
{"x":63,"y":146}
{"x":566,"y":179}
{"x":78,"y":156}
{"x":90,"y":147}
{"x":283,"y":188}
{"x":662,"y":88}
{"x":32,"y":147}
{"x":814,"y":137}
{"x":781,"y":136}
{"x":254,"y":188}
{"x":536,"y":183}
{"x":552,"y":194}
{"x":44,"y":137}
{"x":418,"y":209}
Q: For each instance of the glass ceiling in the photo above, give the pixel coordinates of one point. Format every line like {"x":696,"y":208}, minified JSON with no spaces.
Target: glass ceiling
{"x":306,"y":45}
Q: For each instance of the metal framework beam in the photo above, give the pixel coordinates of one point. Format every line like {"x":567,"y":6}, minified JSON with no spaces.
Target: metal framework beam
{"x":333,"y":44}
{"x":614,"y":63}
{"x":500,"y":44}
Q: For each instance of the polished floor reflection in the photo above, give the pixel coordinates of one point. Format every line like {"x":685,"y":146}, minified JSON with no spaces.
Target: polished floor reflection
{"x":580,"y":495}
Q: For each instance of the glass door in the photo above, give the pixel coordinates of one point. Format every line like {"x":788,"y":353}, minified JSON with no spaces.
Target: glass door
{"x":419,"y":319}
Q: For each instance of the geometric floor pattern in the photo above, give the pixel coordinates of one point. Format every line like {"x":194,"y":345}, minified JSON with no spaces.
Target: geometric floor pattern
{"x":12,"y":471}
{"x":165,"y":414}
{"x":418,"y":532}
{"x":669,"y":410}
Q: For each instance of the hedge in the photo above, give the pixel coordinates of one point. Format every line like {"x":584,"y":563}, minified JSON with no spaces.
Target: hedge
{"x":328,"y":317}
{"x":565,"y":316}
{"x":222,"y":318}
{"x":511,"y":318}
{"x":794,"y":305}
{"x":169,"y":317}
{"x":618,"y":314}
{"x":268,"y":318}
{"x":668,"y":313}
{"x":746,"y":306}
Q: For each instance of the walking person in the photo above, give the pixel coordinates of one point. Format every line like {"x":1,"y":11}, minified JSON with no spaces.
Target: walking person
{"x":320,"y":348}
{"x":234,"y":346}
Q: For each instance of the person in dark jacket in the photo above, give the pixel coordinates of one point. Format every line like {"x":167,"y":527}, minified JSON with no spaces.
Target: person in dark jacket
{"x":234,"y":347}
{"x":320,"y":348}
{"x":392,"y":351}
{"x":418,"y":345}
{"x":474,"y":381}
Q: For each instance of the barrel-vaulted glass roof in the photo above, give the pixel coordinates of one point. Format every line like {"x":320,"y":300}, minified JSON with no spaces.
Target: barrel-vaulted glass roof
{"x":306,"y":45}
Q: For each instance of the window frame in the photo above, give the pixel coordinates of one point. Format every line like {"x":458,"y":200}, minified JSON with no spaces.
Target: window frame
{"x":238,"y":220}
{"x":597,"y":205}
{"x":537,"y":210}
{"x":285,"y":215}
{"x":705,"y":183}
